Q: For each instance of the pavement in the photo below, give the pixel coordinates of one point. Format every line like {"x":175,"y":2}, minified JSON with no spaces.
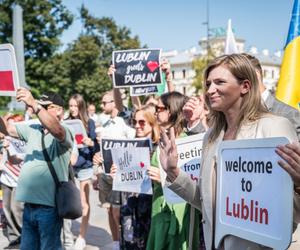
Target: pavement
{"x":98,"y":234}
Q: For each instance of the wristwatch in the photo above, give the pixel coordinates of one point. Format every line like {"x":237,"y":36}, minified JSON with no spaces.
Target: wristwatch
{"x":38,"y":108}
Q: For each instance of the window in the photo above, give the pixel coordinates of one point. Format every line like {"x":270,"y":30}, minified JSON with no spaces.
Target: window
{"x":183,"y":74}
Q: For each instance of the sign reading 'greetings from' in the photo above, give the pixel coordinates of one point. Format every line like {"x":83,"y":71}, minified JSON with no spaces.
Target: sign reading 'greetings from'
{"x":136,"y":67}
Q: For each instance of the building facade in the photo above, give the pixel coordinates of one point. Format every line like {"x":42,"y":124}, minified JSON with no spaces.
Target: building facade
{"x":183,"y":72}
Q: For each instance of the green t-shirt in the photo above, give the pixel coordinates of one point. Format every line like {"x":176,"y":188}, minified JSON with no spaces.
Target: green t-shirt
{"x":36,"y":184}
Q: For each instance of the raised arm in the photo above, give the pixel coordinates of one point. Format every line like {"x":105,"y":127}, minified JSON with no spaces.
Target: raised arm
{"x":166,"y":68}
{"x":50,"y":122}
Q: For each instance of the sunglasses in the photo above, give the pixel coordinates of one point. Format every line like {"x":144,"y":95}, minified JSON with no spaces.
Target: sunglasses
{"x":141,"y":123}
{"x":159,"y":109}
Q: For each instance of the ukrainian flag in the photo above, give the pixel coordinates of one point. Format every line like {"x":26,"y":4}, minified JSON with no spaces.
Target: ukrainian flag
{"x":288,"y":89}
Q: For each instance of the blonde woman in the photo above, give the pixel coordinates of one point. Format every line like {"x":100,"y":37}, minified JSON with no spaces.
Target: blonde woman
{"x":236,"y":112}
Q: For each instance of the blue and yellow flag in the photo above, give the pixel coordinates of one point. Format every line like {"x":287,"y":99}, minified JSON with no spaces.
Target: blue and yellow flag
{"x":288,"y":90}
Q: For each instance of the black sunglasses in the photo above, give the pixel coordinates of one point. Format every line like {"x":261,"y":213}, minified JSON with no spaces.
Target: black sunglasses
{"x":160,"y":109}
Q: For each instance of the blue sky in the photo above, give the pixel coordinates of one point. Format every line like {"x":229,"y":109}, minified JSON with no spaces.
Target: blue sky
{"x":178,"y":24}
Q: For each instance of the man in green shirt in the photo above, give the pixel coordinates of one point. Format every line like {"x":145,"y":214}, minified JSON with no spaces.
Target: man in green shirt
{"x":36,"y":187}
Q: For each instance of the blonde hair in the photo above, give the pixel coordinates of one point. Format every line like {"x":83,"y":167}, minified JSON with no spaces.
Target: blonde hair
{"x":151,"y":119}
{"x":251,"y":107}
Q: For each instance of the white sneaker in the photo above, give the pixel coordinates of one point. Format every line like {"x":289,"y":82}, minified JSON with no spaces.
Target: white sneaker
{"x":116,"y":245}
{"x":80,"y":244}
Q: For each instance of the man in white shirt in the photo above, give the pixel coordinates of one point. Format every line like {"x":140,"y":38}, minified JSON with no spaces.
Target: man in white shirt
{"x":114,"y":127}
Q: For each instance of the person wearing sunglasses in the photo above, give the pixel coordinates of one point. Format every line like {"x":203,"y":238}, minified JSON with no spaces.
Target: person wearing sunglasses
{"x":170,"y":223}
{"x":139,"y":206}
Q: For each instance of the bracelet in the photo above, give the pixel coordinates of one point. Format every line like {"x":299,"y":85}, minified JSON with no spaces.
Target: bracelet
{"x":37,"y":109}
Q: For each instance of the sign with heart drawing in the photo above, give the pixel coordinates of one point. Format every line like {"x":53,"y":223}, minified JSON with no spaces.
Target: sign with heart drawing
{"x":131,"y":175}
{"x":136,"y":67}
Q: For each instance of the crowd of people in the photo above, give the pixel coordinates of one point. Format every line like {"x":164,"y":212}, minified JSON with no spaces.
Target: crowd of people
{"x":234,"y":105}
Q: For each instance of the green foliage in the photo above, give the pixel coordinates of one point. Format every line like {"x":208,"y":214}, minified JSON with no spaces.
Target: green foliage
{"x":82,"y":67}
{"x":43,"y":22}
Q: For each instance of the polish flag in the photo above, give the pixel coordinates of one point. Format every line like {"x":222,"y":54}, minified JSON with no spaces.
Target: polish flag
{"x":8,"y":70}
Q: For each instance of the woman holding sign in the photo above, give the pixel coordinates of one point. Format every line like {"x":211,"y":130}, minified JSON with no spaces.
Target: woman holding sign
{"x":236,"y":112}
{"x":170,"y":223}
{"x":139,"y":206}
{"x":84,"y":165}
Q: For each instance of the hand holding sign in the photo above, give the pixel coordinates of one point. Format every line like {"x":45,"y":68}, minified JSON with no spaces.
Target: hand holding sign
{"x":290,"y":153}
{"x":139,"y":67}
{"x":154,"y":174}
{"x":87,"y":141}
{"x":25,"y":96}
{"x":166,"y":67}
{"x":254,"y":195}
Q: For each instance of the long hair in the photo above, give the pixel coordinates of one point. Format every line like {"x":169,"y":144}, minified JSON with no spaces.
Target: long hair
{"x":251,"y":106}
{"x":174,"y":102}
{"x":151,"y":119}
{"x":82,"y":111}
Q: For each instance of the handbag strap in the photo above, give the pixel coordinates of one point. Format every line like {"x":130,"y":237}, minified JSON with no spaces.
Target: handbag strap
{"x":49,"y":163}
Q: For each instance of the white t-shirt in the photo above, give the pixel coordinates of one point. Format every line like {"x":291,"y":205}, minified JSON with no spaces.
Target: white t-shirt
{"x":114,"y":128}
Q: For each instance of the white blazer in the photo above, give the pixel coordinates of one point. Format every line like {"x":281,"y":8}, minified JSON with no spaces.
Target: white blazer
{"x":202,"y":196}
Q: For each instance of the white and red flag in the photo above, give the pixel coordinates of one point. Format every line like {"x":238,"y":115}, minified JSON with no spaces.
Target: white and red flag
{"x":9,"y":79}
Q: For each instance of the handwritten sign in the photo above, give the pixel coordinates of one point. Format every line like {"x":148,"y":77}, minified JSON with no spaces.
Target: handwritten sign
{"x":16,"y":146}
{"x":131,"y":173}
{"x":108,"y":144}
{"x":9,"y":77}
{"x":254,"y":194}
{"x":77,"y":127}
{"x":189,"y":155}
{"x":136,"y":67}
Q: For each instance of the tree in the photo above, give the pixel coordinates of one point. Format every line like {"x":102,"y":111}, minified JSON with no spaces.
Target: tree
{"x":82,"y":67}
{"x":89,"y":57}
{"x":43,"y":22}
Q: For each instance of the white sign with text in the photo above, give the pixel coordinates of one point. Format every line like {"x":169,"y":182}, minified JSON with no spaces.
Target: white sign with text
{"x":16,"y":146}
{"x":189,"y":151}
{"x":254,"y":194}
{"x":132,"y":164}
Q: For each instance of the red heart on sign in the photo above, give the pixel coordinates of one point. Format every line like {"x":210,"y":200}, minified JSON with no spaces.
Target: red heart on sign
{"x":152,"y":65}
{"x":142,"y":164}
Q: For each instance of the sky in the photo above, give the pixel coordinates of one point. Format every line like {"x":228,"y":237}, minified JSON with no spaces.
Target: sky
{"x":180,"y":24}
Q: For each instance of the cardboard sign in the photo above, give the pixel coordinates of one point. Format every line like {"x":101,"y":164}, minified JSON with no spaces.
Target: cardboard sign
{"x":132,"y":164}
{"x":139,"y":91}
{"x":16,"y":146}
{"x":107,"y":144}
{"x":9,"y":77}
{"x":79,"y":131}
{"x":254,"y":194}
{"x":136,"y":67}
{"x":189,"y":151}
